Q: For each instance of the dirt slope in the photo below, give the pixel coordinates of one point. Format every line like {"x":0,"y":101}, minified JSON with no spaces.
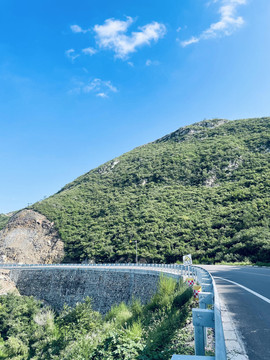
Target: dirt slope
{"x":30,"y":238}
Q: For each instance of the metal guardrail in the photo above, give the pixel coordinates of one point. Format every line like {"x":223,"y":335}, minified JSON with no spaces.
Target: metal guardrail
{"x":203,"y":317}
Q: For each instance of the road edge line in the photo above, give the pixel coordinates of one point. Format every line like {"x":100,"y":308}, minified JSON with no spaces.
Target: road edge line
{"x":234,"y":343}
{"x":245,"y":288}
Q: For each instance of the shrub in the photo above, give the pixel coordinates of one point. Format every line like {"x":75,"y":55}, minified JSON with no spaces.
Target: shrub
{"x":183,"y":298}
{"x":119,"y":313}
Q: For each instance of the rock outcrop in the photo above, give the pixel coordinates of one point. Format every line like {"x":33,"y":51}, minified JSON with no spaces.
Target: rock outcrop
{"x":30,"y":238}
{"x":6,"y":284}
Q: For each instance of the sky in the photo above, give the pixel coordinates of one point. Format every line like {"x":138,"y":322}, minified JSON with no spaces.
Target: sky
{"x":82,"y":82}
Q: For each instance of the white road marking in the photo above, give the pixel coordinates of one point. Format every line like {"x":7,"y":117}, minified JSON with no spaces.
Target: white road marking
{"x":247,"y":289}
{"x":252,"y":273}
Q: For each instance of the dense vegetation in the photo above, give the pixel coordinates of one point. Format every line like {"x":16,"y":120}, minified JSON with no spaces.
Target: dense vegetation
{"x":204,"y":189}
{"x":31,"y":330}
{"x":3,"y":220}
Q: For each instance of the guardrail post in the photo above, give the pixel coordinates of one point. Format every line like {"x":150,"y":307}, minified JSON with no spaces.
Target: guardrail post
{"x":205,"y":298}
{"x":201,"y":318}
{"x":206,"y":279}
{"x":207,"y":287}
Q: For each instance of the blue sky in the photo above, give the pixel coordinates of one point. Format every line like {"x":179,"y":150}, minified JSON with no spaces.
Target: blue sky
{"x":85,"y":81}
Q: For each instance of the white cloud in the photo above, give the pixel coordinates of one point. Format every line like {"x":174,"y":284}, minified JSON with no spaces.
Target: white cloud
{"x":112,"y":35}
{"x":99,"y":87}
{"x":151,"y":62}
{"x":228,"y":23}
{"x":192,"y":40}
{"x":71,"y":54}
{"x":102,"y":95}
{"x":89,"y":51}
{"x":77,"y":29}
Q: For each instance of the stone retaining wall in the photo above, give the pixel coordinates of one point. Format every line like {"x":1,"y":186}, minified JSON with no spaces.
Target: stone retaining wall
{"x":106,"y":287}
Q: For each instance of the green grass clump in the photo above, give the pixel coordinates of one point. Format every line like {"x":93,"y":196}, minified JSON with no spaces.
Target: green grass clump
{"x":259,"y":263}
{"x":119,"y":313}
{"x":163,"y":297}
{"x":182,"y":298}
{"x":136,"y":307}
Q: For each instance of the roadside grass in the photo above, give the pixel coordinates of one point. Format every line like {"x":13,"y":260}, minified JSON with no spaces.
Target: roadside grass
{"x":244,"y":263}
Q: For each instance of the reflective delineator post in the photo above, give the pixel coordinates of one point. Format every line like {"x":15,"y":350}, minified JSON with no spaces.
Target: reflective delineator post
{"x":196,"y":290}
{"x":190,"y":281}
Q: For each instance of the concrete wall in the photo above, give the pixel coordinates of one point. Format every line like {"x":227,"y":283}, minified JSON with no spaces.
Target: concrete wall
{"x":105,"y":287}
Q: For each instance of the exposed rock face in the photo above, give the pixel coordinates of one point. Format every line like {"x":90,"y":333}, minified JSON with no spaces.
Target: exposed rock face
{"x":211,"y":181}
{"x":30,"y":238}
{"x":198,"y":130}
{"x":6,"y":284}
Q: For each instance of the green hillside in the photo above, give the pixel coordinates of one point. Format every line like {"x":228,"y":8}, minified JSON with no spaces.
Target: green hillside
{"x":203,"y":189}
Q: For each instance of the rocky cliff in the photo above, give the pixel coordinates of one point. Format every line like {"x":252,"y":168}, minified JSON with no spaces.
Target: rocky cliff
{"x":30,"y":238}
{"x":6,"y":284}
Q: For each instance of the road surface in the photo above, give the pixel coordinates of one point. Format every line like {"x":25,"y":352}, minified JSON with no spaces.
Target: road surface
{"x":246,"y":293}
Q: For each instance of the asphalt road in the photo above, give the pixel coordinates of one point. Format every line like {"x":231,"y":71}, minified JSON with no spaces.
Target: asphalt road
{"x":250,"y":310}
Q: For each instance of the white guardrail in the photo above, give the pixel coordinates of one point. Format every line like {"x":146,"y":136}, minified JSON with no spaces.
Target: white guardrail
{"x":208,"y":315}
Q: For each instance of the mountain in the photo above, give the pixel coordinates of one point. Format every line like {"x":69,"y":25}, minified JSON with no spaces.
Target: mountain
{"x":203,"y":189}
